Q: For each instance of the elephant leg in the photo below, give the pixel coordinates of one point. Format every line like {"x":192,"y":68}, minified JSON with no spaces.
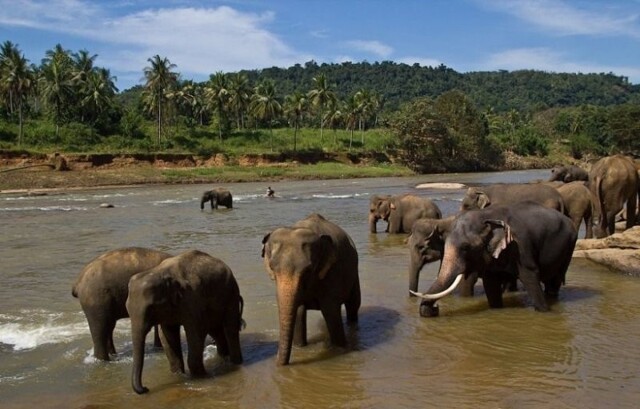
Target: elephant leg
{"x":631,"y":211}
{"x":466,"y":286}
{"x":300,"y":329}
{"x":531,"y":283}
{"x":157,"y":343}
{"x":101,"y":333}
{"x":493,"y":290}
{"x":333,"y":317}
{"x":588,"y":222}
{"x":221,"y":341}
{"x":352,"y":305}
{"x":232,"y":337}
{"x":170,"y":338}
{"x":195,"y":353}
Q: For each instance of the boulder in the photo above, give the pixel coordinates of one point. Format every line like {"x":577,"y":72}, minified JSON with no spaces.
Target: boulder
{"x":620,"y":251}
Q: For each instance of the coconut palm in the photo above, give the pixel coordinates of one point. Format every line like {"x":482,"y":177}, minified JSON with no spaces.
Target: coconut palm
{"x":320,"y":97}
{"x":160,"y":80}
{"x":334,"y":118}
{"x":352,"y":109}
{"x":296,"y":106}
{"x":18,"y":79}
{"x":265,"y":105}
{"x":239,"y":96}
{"x":99,"y":92}
{"x":217,"y":93}
{"x":57,"y":82}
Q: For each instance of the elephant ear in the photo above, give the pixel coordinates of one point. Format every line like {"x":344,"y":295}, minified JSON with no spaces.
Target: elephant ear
{"x":328,"y":255}
{"x":483,"y":200}
{"x":501,"y":237}
{"x":266,"y":256}
{"x":265,"y":239}
{"x":175,"y":291}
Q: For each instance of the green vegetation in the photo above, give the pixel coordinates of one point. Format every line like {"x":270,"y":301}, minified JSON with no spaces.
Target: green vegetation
{"x":431,"y":118}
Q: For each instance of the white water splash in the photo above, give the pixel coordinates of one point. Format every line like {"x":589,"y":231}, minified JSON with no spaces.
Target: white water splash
{"x":35,"y":328}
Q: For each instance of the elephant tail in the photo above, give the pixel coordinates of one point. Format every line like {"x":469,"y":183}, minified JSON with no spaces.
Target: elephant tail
{"x":74,"y":291}
{"x":599,"y":198}
{"x":243,"y":323}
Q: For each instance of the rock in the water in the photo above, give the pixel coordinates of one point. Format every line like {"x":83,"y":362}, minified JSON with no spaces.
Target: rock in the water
{"x":106,"y":206}
{"x":620,"y":251}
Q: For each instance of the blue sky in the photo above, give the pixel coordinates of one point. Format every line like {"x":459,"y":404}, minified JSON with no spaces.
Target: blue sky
{"x":203,"y":37}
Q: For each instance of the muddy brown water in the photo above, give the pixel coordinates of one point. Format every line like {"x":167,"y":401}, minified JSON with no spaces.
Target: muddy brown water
{"x":583,"y":354}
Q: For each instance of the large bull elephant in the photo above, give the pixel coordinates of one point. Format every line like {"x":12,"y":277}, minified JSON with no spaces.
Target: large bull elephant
{"x":523,"y":240}
{"x":400,"y":212}
{"x":193,"y":290}
{"x":315,"y":266}
{"x":614,"y":182}
{"x":506,"y":193}
{"x":102,"y":289}
{"x":218,"y":197}
{"x":568,"y":173}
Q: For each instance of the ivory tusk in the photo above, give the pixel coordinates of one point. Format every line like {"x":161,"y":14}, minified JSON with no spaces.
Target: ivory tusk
{"x":436,"y":297}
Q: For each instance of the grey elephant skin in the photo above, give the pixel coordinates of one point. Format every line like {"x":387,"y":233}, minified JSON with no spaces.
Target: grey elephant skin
{"x":315,"y":266}
{"x":614,"y":182}
{"x":506,"y":193}
{"x":578,"y":203}
{"x":568,"y":173}
{"x":525,"y":239}
{"x":217,"y":197}
{"x":102,"y":289}
{"x":400,"y":212}
{"x":193,"y":290}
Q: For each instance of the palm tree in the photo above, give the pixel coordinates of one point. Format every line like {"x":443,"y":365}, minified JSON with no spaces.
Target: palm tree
{"x":296,"y":106}
{"x":265,"y":105}
{"x":18,"y":79}
{"x":352,"y":115}
{"x":160,"y":80}
{"x":334,"y":117}
{"x":57,"y":82}
{"x":8,"y":52}
{"x":99,"y":92}
{"x":239,"y":96}
{"x":217,"y":92}
{"x":320,"y":96}
{"x":81,"y":76}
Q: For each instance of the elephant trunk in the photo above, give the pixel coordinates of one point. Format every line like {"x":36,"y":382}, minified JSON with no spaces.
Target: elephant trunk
{"x":415,"y":266}
{"x":288,"y":302}
{"x":450,"y":275}
{"x":139,"y":333}
{"x":373,"y":220}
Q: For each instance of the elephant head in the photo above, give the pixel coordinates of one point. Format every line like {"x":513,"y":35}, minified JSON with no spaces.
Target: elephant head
{"x":426,"y":245}
{"x":379,"y":208}
{"x":475,"y":198}
{"x":297,"y":259}
{"x":470,"y":247}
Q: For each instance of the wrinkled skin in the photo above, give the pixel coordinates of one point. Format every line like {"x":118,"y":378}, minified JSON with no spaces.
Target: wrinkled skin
{"x":315,"y":266}
{"x":193,"y":290}
{"x":525,"y":240}
{"x":102,"y":288}
{"x":614,"y":182}
{"x":578,"y":205}
{"x":218,"y":197}
{"x":568,"y":173}
{"x":400,"y":212}
{"x":505,"y":193}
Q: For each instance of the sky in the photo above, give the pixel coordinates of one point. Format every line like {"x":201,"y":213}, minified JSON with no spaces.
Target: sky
{"x":205,"y":37}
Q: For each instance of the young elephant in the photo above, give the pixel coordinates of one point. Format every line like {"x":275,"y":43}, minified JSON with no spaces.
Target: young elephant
{"x":102,"y":288}
{"x":578,"y":205}
{"x":568,"y":173}
{"x":194,"y":290}
{"x":524,"y":239}
{"x":315,"y":266}
{"x":218,"y":197}
{"x":400,"y":212}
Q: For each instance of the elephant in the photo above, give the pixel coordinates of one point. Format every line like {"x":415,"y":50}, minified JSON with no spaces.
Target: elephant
{"x":506,"y":193}
{"x":400,"y":212}
{"x":578,"y":204}
{"x":102,"y":288}
{"x":524,"y":240}
{"x":568,"y":173}
{"x":193,"y":290}
{"x":218,"y":197}
{"x":614,"y":181}
{"x":315,"y":266}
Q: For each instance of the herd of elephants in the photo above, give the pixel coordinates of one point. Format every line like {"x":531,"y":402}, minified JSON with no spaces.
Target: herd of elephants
{"x":503,"y":233}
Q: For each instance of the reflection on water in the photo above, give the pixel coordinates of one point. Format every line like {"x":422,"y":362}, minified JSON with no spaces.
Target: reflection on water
{"x":582,"y":354}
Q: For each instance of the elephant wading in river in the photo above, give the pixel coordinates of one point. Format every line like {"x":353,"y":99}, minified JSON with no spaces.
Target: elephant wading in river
{"x":524,"y":239}
{"x":102,"y":288}
{"x":613,"y":181}
{"x":568,"y":173}
{"x":315,"y":266}
{"x":218,"y":197}
{"x":400,"y":212}
{"x":505,"y":193}
{"x":193,"y":290}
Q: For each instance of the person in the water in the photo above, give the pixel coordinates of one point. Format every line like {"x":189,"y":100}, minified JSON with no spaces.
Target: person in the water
{"x":270,"y":192}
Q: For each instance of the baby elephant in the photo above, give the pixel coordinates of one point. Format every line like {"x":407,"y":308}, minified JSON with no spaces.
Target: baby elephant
{"x":218,"y":197}
{"x":194,"y":290}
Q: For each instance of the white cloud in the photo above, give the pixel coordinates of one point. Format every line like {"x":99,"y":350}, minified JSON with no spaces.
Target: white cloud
{"x":565,"y":19}
{"x":544,"y":59}
{"x":373,"y":47}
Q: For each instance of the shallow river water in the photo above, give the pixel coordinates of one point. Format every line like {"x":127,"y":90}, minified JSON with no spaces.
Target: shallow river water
{"x":583,"y":354}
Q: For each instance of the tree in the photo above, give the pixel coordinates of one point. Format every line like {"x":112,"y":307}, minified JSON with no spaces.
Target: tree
{"x":296,"y":106}
{"x":17,"y":79}
{"x":239,"y":96}
{"x":57,"y":83}
{"x":265,"y":105}
{"x":217,"y":92}
{"x":99,"y":93}
{"x":320,"y":97}
{"x":160,"y":80}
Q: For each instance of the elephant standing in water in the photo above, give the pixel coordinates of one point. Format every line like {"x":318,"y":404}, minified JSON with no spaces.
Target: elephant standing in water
{"x":193,"y":290}
{"x":218,"y":197}
{"x":614,"y":181}
{"x":400,"y":212}
{"x":568,"y":173}
{"x":523,"y":240}
{"x":315,"y":266}
{"x":102,"y":289}
{"x":506,"y":193}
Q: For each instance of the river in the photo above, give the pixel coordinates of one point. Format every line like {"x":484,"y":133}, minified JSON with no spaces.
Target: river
{"x":583,"y":354}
